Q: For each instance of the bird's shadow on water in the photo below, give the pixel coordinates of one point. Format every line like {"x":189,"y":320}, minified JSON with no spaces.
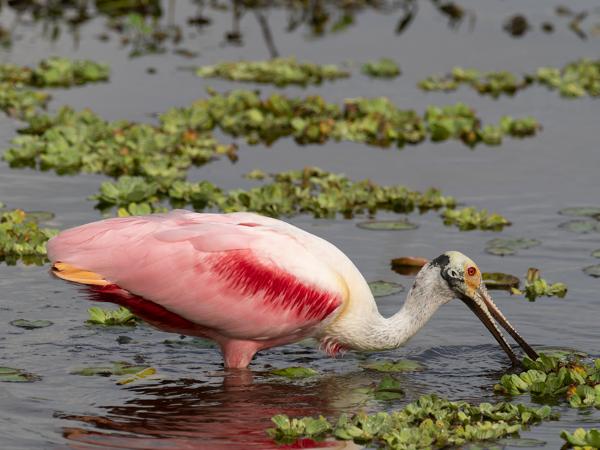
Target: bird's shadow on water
{"x":235,"y":411}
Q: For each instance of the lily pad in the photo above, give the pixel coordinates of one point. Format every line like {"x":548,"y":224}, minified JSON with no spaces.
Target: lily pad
{"x":31,"y":324}
{"x":144,"y":373}
{"x":389,"y":389}
{"x":295,"y":372}
{"x":387,"y":225}
{"x":117,"y":368}
{"x":592,"y":271}
{"x":580,"y":211}
{"x":403,"y":365}
{"x":11,"y":375}
{"x":499,"y":280}
{"x":509,"y":246}
{"x":408,"y":265}
{"x":580,"y":226}
{"x":382,"y":288}
{"x":596,"y":253}
{"x":40,"y":216}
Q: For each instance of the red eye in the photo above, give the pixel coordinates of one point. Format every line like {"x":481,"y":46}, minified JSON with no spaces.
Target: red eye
{"x":471,"y":271}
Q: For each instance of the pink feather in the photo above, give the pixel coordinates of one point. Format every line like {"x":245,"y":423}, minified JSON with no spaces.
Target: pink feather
{"x":248,"y":281}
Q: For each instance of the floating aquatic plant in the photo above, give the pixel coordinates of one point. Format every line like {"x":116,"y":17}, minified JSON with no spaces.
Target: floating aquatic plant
{"x":382,"y":68}
{"x":121,"y":316}
{"x":118,"y":368}
{"x":551,"y":378}
{"x":592,"y":271}
{"x":21,"y":103}
{"x":538,"y":287}
{"x":470,"y":219}
{"x":381,"y":288}
{"x":490,"y":83}
{"x":311,"y":190}
{"x":408,"y":265}
{"x":581,"y":211}
{"x":429,"y":422}
{"x":144,"y":373}
{"x":499,"y":280}
{"x":582,"y":439}
{"x":11,"y":375}
{"x":278,"y":71}
{"x":389,"y":388}
{"x":576,"y":79}
{"x":402,"y":365}
{"x":581,"y":226}
{"x":71,"y":142}
{"x":374,"y":121}
{"x":509,"y":246}
{"x":21,"y":239}
{"x":295,"y":372}
{"x":55,"y":72}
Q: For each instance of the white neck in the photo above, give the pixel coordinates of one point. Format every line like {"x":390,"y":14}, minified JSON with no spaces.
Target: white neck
{"x":369,"y":331}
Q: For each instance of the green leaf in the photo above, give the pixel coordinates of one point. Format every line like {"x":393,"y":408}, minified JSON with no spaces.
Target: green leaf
{"x":499,"y":280}
{"x":11,"y":375}
{"x":592,"y":271}
{"x":295,"y":372}
{"x":580,"y":226}
{"x":509,"y":246}
{"x":392,"y":366}
{"x":382,"y":288}
{"x":117,"y":368}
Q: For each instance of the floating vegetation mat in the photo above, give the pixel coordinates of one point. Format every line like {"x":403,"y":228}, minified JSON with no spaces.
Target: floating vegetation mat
{"x":21,"y":239}
{"x":576,"y":79}
{"x":70,"y":142}
{"x":311,"y":190}
{"x":582,"y":439}
{"x":120,"y":316}
{"x":383,"y":68}
{"x":552,"y":378}
{"x":429,"y":422}
{"x":18,"y":101}
{"x":312,"y":120}
{"x":278,"y":71}
{"x":470,"y":219}
{"x":55,"y":72}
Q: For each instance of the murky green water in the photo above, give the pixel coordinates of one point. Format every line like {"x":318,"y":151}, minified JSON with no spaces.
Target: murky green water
{"x":196,"y":404}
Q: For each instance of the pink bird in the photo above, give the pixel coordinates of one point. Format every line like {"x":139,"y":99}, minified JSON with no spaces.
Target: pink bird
{"x":250,"y":282}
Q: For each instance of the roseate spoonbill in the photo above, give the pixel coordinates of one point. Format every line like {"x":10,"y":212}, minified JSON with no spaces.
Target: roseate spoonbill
{"x":250,"y":282}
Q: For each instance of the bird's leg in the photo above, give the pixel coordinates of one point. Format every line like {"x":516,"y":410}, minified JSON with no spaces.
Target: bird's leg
{"x":238,"y":353}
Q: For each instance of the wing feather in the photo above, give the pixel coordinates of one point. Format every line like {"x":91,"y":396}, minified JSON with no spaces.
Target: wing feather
{"x":241,"y":274}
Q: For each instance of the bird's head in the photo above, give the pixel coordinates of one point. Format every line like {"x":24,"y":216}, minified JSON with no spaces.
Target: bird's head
{"x":463,"y":278}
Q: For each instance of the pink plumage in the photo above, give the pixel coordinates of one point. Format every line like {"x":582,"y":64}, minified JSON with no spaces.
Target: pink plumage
{"x":246,"y":281}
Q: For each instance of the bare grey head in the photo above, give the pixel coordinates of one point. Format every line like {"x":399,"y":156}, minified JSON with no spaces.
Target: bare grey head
{"x":456,"y":275}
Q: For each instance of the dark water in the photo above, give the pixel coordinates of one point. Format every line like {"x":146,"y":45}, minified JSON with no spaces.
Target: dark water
{"x":196,"y":405}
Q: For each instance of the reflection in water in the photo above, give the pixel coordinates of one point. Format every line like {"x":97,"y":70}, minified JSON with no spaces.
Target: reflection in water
{"x":138,"y":23}
{"x":202,"y":414}
{"x":187,"y":414}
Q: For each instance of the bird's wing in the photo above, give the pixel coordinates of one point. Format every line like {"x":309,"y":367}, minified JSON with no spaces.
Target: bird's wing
{"x":243,"y":275}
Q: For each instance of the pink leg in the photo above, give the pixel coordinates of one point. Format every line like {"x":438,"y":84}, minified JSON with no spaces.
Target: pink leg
{"x":238,"y":354}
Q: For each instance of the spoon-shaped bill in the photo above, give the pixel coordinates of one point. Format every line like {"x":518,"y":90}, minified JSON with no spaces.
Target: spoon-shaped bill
{"x":481,"y":303}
